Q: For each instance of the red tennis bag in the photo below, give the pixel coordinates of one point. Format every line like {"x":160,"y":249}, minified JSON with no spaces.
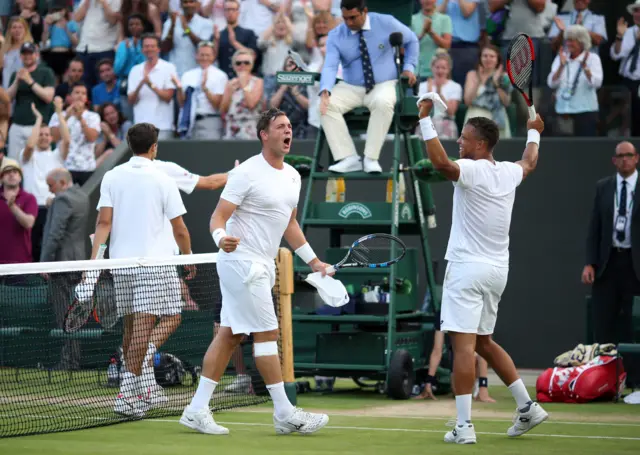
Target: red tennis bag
{"x":595,"y":380}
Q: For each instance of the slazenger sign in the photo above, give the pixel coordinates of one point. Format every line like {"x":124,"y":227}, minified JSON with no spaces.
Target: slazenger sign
{"x":294,"y":78}
{"x":355,"y":208}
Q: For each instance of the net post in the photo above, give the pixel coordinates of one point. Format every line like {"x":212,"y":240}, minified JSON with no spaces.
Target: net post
{"x":285,"y":290}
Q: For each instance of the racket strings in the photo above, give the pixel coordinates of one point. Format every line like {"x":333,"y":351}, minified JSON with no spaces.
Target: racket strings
{"x":374,"y":250}
{"x":521,"y":63}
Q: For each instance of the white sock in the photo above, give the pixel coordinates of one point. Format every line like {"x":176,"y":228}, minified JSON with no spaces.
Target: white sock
{"x":519,"y":392}
{"x":203,"y":394}
{"x":282,"y":406}
{"x":463,"y":406}
{"x":129,"y":384}
{"x":148,"y":373}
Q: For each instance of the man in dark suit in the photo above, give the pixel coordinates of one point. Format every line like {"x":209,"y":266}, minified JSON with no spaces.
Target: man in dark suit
{"x":65,"y":234}
{"x":613,"y":249}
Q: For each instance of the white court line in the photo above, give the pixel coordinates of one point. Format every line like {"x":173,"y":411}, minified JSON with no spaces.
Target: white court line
{"x":123,"y":419}
{"x":482,"y":419}
{"x":412,"y":430}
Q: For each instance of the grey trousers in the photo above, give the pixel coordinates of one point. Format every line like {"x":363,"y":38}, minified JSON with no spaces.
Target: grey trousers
{"x":208,"y":128}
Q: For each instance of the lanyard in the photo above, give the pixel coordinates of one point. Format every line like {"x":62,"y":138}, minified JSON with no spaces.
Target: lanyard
{"x":572,"y":90}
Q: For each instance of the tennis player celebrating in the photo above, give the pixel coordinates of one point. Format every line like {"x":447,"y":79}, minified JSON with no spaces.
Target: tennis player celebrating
{"x":478,"y":259}
{"x":135,"y":201}
{"x":257,"y":207}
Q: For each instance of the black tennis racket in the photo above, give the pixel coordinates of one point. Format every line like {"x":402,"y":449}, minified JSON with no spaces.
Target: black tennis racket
{"x":81,"y":308}
{"x":371,"y":251}
{"x":105,"y":309}
{"x":520,"y":63}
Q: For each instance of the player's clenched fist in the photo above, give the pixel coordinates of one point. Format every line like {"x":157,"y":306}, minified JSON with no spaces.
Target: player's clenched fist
{"x":229,"y":244}
{"x":536,"y":124}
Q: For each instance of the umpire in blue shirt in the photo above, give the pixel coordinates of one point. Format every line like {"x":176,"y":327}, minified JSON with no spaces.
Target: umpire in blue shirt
{"x":361,"y":45}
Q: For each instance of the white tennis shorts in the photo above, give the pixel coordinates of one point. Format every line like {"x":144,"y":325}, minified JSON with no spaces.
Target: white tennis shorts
{"x":150,"y":291}
{"x":247,"y":302}
{"x":470,"y":297}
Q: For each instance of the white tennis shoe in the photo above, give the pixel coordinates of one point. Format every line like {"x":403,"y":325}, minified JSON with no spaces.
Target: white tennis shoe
{"x":461,"y":434}
{"x":526,"y":419}
{"x":155,"y":396}
{"x":130,"y":406}
{"x":201,"y":420}
{"x":301,"y":422}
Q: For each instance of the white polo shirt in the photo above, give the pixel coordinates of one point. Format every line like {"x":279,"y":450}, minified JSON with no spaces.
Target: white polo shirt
{"x":98,"y":35}
{"x":142,"y":198}
{"x":482,"y":204}
{"x":150,"y":108}
{"x":183,"y":53}
{"x":216,"y":82}
{"x":186,"y":182}
{"x":266,"y":198}
{"x":35,"y":172}
{"x":82,"y":153}
{"x":255,"y":16}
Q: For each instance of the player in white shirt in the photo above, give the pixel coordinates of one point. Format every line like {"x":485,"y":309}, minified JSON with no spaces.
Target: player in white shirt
{"x":170,"y":314}
{"x":257,"y":207}
{"x":478,"y":260}
{"x":135,"y":200}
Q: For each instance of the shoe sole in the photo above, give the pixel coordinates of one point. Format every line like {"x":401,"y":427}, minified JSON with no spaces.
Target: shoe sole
{"x":195,"y":427}
{"x":535,"y":424}
{"x":138,"y":413}
{"x":285,"y":431}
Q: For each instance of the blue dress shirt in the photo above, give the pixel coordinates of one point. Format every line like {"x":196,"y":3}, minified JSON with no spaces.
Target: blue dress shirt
{"x":343,"y":47}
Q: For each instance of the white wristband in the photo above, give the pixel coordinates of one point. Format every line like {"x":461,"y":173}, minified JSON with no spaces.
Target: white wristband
{"x":306,"y":253}
{"x":533,"y":136}
{"x":427,"y":129}
{"x":217,"y":235}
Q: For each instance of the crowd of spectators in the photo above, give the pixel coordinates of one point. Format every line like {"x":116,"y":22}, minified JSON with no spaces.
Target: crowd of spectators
{"x":76,"y":74}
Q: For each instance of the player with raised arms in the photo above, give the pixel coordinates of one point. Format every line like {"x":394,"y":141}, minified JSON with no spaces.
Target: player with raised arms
{"x":257,"y":208}
{"x":136,"y":199}
{"x":478,"y":259}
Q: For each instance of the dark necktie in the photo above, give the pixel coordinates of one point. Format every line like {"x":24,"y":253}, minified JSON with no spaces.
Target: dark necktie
{"x":634,"y":57}
{"x":622,"y":209}
{"x":367,"y":70}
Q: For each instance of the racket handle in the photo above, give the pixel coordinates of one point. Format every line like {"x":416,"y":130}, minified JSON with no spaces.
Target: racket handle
{"x":532,"y":112}
{"x":101,"y":251}
{"x":331,"y":269}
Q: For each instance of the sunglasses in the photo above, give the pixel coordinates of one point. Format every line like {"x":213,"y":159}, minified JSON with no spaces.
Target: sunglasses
{"x":625,"y":155}
{"x":205,"y":43}
{"x":242,"y":62}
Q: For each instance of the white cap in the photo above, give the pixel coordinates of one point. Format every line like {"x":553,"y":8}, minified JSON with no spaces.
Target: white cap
{"x":331,"y":291}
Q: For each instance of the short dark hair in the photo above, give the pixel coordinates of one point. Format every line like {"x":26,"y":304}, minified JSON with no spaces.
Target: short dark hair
{"x":486,"y":129}
{"x":138,"y":16}
{"x":141,"y":137}
{"x":266,"y":118}
{"x":77,"y":60}
{"x":360,"y":5}
{"x":152,"y":36}
{"x":104,"y":61}
{"x":79,"y":84}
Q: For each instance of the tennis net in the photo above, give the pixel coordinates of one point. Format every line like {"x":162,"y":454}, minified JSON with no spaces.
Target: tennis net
{"x":61,"y":340}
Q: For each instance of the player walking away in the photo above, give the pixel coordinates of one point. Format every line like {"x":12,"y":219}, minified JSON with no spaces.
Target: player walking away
{"x":478,"y":260}
{"x":170,"y":315}
{"x":256,"y":208}
{"x":135,"y":200}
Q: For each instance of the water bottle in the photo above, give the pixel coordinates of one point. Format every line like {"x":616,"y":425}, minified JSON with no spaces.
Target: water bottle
{"x":113,"y":376}
{"x":426,"y":303}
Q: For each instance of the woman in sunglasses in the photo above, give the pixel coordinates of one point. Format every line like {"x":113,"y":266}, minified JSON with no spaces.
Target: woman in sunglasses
{"x":242,"y":100}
